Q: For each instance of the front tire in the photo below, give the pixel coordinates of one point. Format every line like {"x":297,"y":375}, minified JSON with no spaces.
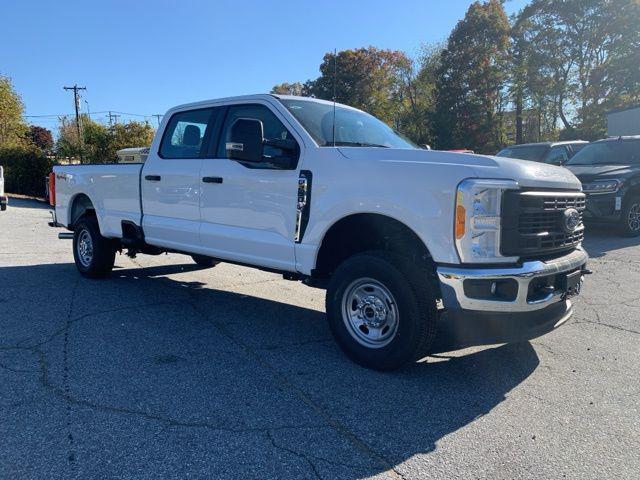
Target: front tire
{"x":381,"y":310}
{"x":94,"y":254}
{"x":630,"y":218}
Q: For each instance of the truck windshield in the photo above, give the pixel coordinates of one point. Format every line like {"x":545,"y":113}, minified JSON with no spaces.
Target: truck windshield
{"x":616,"y":152}
{"x":353,"y":128}
{"x":535,"y":153}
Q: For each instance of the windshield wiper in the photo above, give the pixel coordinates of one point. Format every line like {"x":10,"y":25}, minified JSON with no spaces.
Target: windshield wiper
{"x":355,"y":144}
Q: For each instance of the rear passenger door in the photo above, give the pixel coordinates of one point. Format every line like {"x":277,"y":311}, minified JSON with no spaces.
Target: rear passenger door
{"x":170,"y":181}
{"x":249,"y":210}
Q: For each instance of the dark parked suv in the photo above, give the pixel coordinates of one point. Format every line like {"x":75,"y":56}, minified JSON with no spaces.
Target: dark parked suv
{"x":610,"y":174}
{"x":554,"y":153}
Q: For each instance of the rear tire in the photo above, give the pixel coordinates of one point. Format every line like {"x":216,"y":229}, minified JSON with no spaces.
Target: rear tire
{"x":94,"y":254}
{"x":381,"y":310}
{"x":204,"y":262}
{"x":630,"y":217}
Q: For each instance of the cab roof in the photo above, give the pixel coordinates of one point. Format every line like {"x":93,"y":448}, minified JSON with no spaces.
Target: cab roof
{"x":259,"y":96}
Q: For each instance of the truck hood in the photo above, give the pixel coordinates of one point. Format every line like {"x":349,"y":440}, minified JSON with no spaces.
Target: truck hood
{"x":527,"y":174}
{"x":589,"y":173}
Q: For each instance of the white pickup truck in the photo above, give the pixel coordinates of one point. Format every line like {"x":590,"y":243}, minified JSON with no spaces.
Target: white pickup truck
{"x":418,"y":250}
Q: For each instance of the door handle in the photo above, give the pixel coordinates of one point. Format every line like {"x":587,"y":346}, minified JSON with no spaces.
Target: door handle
{"x":152,"y":178}
{"x":212,"y":179}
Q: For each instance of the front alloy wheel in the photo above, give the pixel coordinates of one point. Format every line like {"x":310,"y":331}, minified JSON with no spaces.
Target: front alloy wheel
{"x":631,"y":218}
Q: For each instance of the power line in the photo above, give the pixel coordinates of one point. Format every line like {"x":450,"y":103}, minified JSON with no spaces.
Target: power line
{"x":52,"y":115}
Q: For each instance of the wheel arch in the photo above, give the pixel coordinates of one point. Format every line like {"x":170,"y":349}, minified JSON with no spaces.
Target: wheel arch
{"x":80,"y":205}
{"x":359,"y":232}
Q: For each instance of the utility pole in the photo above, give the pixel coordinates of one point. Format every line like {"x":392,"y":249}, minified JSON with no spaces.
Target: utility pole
{"x":88,"y":111}
{"x":112,"y":117}
{"x":76,"y":101}
{"x":158,"y":117}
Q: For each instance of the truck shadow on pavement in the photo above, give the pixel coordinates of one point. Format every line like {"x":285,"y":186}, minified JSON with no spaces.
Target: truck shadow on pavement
{"x":260,"y":375}
{"x":602,"y":239}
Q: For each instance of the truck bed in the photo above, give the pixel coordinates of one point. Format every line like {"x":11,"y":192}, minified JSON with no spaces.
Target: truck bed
{"x":114,"y":191}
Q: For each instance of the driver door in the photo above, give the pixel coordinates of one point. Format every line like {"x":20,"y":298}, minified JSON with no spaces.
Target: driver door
{"x":248,"y":210}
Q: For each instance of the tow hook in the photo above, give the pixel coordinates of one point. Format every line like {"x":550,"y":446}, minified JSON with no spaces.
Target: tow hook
{"x":547,"y":289}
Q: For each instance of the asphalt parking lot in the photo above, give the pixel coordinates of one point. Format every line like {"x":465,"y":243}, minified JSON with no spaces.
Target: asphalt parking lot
{"x":169,"y":371}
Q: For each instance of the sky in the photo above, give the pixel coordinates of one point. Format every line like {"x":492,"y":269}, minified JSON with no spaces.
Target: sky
{"x":143,"y":57}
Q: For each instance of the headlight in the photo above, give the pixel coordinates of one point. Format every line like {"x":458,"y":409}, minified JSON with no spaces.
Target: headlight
{"x":477,"y":223}
{"x":601,"y":186}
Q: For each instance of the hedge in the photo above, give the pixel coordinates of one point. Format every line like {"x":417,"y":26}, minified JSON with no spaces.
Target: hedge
{"x":25,"y":170}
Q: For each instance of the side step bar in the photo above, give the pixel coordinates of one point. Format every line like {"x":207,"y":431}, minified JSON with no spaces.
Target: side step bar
{"x":65,"y":236}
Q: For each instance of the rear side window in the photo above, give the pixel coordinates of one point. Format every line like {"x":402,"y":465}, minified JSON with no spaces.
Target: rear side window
{"x":186,"y":132}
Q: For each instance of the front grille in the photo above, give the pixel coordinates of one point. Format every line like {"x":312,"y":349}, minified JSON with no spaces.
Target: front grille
{"x":533,"y":222}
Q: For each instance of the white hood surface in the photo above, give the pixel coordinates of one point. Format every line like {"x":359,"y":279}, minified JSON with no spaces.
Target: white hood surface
{"x":527,"y":174}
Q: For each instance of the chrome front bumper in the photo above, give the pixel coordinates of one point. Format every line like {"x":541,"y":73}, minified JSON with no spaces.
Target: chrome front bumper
{"x":454,"y":297}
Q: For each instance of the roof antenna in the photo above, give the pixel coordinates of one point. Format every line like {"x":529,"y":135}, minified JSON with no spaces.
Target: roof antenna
{"x":335,"y":74}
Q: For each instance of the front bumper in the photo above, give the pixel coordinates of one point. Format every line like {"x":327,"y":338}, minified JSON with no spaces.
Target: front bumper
{"x":603,"y":206}
{"x":454,"y":296}
{"x":467,"y":321}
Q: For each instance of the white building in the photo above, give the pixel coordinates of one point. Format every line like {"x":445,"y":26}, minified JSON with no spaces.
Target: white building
{"x":624,"y":121}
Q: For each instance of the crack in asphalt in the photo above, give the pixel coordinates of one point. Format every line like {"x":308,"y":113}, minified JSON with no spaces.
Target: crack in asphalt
{"x":71,"y":456}
{"x":69,"y":398}
{"x":615,"y":327}
{"x":306,"y":458}
{"x":286,"y":382}
{"x":85,"y":316}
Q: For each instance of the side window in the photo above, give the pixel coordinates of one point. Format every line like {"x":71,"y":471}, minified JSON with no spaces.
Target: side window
{"x":557,"y":156}
{"x":185,"y":133}
{"x":273,"y":130}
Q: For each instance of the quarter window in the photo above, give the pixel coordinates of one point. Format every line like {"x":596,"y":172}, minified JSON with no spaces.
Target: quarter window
{"x":186,"y":133}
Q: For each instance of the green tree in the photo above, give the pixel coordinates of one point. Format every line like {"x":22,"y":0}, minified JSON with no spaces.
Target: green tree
{"x":131,"y":134}
{"x":100,"y":143}
{"x":366,"y":78}
{"x":582,"y":60}
{"x":418,"y":81}
{"x":12,"y":126}
{"x":286,"y":88}
{"x":471,"y":80}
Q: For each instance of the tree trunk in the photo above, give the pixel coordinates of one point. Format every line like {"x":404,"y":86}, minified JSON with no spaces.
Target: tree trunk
{"x":519,"y":101}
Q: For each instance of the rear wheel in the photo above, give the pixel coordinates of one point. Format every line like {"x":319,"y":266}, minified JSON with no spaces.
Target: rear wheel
{"x":630,"y":218}
{"x":205,"y":262}
{"x":381,"y":310}
{"x":94,"y":254}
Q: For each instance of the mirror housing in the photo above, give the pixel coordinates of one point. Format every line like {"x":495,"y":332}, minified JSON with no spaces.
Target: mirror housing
{"x":246,"y":141}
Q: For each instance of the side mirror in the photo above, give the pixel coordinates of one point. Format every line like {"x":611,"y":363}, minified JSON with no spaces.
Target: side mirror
{"x":246,"y":140}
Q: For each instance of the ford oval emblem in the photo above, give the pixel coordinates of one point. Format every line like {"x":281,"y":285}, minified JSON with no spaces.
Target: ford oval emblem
{"x":571,"y":220}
